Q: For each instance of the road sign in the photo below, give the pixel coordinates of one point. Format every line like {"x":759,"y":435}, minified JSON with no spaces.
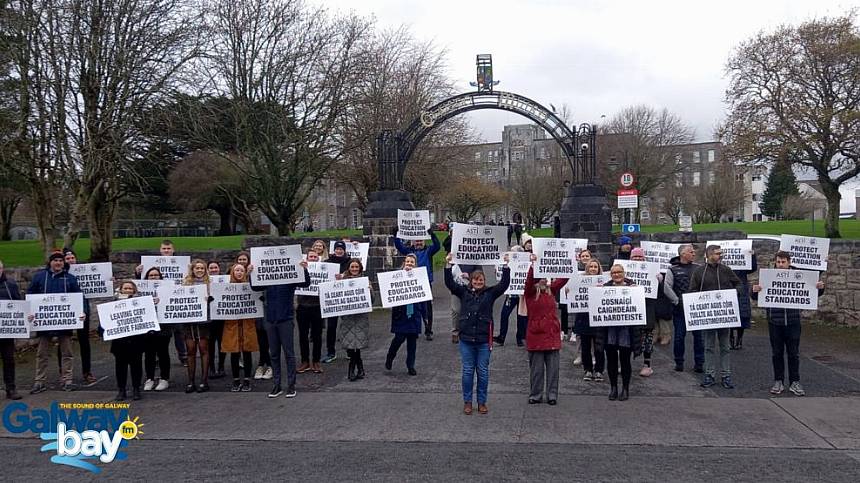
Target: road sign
{"x":628,"y":199}
{"x":627,"y":179}
{"x":631,"y":228}
{"x":686,"y":223}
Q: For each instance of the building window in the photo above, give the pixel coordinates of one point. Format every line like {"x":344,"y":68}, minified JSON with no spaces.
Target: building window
{"x":330,"y":221}
{"x":739,"y":177}
{"x":518,"y":155}
{"x":756,"y":197}
{"x":697,"y":156}
{"x":711,"y":155}
{"x":356,"y":218}
{"x":697,"y":178}
{"x":543,"y":153}
{"x":756,"y":177}
{"x":478,"y":156}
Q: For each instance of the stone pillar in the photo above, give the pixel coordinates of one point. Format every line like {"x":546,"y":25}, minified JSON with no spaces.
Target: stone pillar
{"x":380,"y":227}
{"x":585,"y":213}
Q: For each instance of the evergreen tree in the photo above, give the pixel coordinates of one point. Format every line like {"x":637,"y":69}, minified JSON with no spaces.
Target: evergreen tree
{"x":780,"y":183}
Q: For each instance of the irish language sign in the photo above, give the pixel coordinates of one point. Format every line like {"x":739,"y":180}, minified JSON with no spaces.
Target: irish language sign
{"x":713,"y":309}
{"x":616,"y":306}
{"x":233,"y":301}
{"x":56,"y":311}
{"x":345,"y":297}
{"x":354,"y":250}
{"x":150,"y":287}
{"x":643,"y":274}
{"x":171,"y":268}
{"x":127,"y":317}
{"x":737,"y":254}
{"x":478,"y":245}
{"x":178,"y":304}
{"x":575,"y":292}
{"x":277,"y":265}
{"x":557,"y":257}
{"x":320,"y":272}
{"x":95,"y":279}
{"x":413,"y":224}
{"x":660,"y":253}
{"x":402,"y":287}
{"x":807,"y":252}
{"x":788,"y":289}
{"x":13,"y":319}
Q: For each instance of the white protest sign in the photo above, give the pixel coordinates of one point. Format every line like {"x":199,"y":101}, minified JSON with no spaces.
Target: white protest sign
{"x":171,"y":268}
{"x":512,"y":257}
{"x":179,"y":304}
{"x":788,"y":289}
{"x":643,"y":274}
{"x":737,"y":254}
{"x":661,"y":253}
{"x":557,"y":257}
{"x":56,"y":311}
{"x":616,"y":306}
{"x":320,"y":272}
{"x":150,"y":287}
{"x":478,"y":245}
{"x":712,"y":309}
{"x":575,"y":291}
{"x":94,"y":279}
{"x":402,"y":287}
{"x":413,"y":224}
{"x":234,"y":301}
{"x":277,"y":265}
{"x":807,"y":252}
{"x":219,"y":279}
{"x":127,"y":317}
{"x":13,"y":319}
{"x":354,"y":250}
{"x":345,"y":297}
{"x":519,"y":272}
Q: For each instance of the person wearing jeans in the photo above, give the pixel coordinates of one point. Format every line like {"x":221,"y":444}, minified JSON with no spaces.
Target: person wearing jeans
{"x":476,"y":359}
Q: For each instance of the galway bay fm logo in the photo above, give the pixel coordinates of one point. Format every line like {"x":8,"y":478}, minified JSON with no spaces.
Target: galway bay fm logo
{"x":78,"y":434}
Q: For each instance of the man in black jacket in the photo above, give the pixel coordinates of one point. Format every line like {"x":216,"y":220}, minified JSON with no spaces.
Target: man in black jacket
{"x":675,"y":284}
{"x":8,"y":291}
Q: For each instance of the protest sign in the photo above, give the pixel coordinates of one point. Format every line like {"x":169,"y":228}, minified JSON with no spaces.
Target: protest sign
{"x":13,"y":319}
{"x":737,"y":254}
{"x":712,"y":309}
{"x":402,"y":287}
{"x":575,"y":292}
{"x":557,"y":257}
{"x":95,"y":279}
{"x":354,"y":250}
{"x":345,"y":297}
{"x":171,"y":268}
{"x":661,"y":253}
{"x":643,"y":274}
{"x":807,"y":252}
{"x":788,"y":289}
{"x":56,"y":311}
{"x":616,"y":306}
{"x":413,"y":224}
{"x":519,"y":272}
{"x":179,"y":304}
{"x":219,"y":279}
{"x":277,"y":265}
{"x":319,"y":272}
{"x":150,"y":287}
{"x":232,"y":301}
{"x":512,"y":257}
{"x":478,"y":245}
{"x":127,"y":317}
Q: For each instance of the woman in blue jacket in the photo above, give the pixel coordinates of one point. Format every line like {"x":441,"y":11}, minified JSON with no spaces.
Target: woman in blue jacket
{"x":406,"y":326}
{"x":424,"y":258}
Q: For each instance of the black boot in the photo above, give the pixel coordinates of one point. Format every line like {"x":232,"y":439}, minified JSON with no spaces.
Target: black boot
{"x":121,"y":395}
{"x":359,"y":366}
{"x":739,"y":344}
{"x":351,"y":372}
{"x":135,"y":393}
{"x":12,"y":394}
{"x":613,"y":393}
{"x":732,"y":345}
{"x":625,"y":394}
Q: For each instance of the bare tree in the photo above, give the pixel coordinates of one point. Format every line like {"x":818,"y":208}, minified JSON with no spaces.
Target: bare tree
{"x":675,"y":199}
{"x":718,"y":198}
{"x":796,"y":92}
{"x":537,"y":192}
{"x":469,"y":195}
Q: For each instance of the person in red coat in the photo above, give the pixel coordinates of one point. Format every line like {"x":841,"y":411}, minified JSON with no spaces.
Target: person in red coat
{"x":543,"y":336}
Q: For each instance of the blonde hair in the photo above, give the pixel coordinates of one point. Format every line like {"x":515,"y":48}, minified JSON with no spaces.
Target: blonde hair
{"x":412,"y":256}
{"x":599,"y":266}
{"x":190,"y":278}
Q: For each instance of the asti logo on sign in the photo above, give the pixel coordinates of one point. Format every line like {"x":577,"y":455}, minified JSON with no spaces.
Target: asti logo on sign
{"x":78,"y":433}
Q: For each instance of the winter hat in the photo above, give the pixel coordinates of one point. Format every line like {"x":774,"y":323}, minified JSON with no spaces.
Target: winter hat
{"x":66,"y":251}
{"x":56,"y":255}
{"x":340,"y":244}
{"x":637,"y":252}
{"x":526,"y":238}
{"x":625,"y":240}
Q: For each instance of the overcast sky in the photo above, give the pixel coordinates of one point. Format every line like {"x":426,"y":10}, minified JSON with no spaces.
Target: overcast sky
{"x":596,"y":56}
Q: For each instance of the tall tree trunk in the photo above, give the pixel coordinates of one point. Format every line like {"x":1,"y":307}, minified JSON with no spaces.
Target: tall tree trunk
{"x":78,"y":215}
{"x":227,"y":223}
{"x":101,"y":213}
{"x":43,"y":206}
{"x":831,"y":219}
{"x":8,"y":205}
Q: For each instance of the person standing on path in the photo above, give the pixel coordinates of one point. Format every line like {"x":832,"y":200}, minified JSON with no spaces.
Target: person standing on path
{"x":310,"y":327}
{"x":714,"y":275}
{"x":197,"y":333}
{"x":511,"y":304}
{"x":736,"y":335}
{"x":128,"y":353}
{"x":522,"y":308}
{"x":83,"y":333}
{"x":240,"y":338}
{"x":461,"y":276}
{"x":424,"y":255}
{"x":9,"y":291}
{"x":621,"y":343}
{"x":216,"y":330}
{"x":543,"y":337}
{"x":675,"y":284}
{"x":264,"y":360}
{"x":167,"y":249}
{"x":590,"y":338}
{"x":339,"y":256}
{"x":354,"y":329}
{"x":638,"y":255}
{"x":406,"y":326}
{"x":476,"y":330}
{"x":156,"y":346}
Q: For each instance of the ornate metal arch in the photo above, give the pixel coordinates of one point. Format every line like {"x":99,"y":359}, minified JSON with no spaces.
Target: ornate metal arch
{"x":394,"y":149}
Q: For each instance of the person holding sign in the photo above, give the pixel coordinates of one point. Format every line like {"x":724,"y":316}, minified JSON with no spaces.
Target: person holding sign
{"x":736,"y":336}
{"x":83,"y":333}
{"x":783,"y":326}
{"x":339,"y":257}
{"x":620,"y":343}
{"x":8,"y":291}
{"x":197,"y":334}
{"x":424,"y":255}
{"x":511,"y":303}
{"x":406,"y":325}
{"x":475,"y":326}
{"x":675,"y":284}
{"x":522,"y":308}
{"x":128,"y":353}
{"x":638,"y":255}
{"x":55,"y":278}
{"x":310,"y":327}
{"x":240,"y":338}
{"x":216,"y":331}
{"x":167,"y":249}
{"x":156,"y":347}
{"x":590,"y":338}
{"x":714,"y":275}
{"x":543,"y":336}
{"x":355,"y":328}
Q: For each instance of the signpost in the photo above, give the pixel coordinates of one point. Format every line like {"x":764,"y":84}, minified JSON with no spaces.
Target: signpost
{"x":631,"y":228}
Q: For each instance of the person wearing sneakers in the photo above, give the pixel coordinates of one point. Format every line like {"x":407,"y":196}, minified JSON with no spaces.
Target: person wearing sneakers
{"x":476,"y":330}
{"x":783,"y":326}
{"x":590,"y":338}
{"x":676,"y":283}
{"x":264,"y":362}
{"x":156,"y":346}
{"x":310,"y":324}
{"x":55,"y":278}
{"x":406,"y":326}
{"x":714,"y":275}
{"x":83,"y":333}
{"x":9,"y":291}
{"x":340,"y":257}
{"x":167,"y":249}
{"x":638,"y":254}
{"x":424,"y":255}
{"x":240,"y":338}
{"x":543,"y":337}
{"x":128,"y":353}
{"x":280,"y":327}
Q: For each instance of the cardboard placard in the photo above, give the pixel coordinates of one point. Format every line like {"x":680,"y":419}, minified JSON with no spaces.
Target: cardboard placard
{"x":661,"y":253}
{"x":519,"y":273}
{"x":712,"y":309}
{"x":277,"y":265}
{"x":219,"y":279}
{"x":127,"y":317}
{"x":403,"y":287}
{"x":233,"y":301}
{"x":478,"y":245}
{"x":13,"y":319}
{"x":413,"y":224}
{"x":180,"y":304}
{"x":512,"y":257}
{"x":557,"y":257}
{"x":150,"y":287}
{"x":807,"y":252}
{"x":56,"y":311}
{"x":320,"y":272}
{"x":95,"y":279}
{"x":575,"y":292}
{"x":616,"y":306}
{"x":737,"y":254}
{"x":171,"y":268}
{"x":345,"y":297}
{"x":643,"y":274}
{"x":354,"y":250}
{"x":788,"y":289}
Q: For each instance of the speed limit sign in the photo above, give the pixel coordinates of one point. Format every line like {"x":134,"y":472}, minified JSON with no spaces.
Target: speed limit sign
{"x":627,"y":179}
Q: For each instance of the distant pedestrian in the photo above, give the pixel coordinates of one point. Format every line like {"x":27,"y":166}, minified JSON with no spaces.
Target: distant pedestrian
{"x":406,"y":326}
{"x":543,"y":337}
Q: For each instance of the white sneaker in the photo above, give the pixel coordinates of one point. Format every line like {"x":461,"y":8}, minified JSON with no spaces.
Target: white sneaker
{"x":258,"y":374}
{"x":163,"y":384}
{"x":148,"y":385}
{"x":268,"y":374}
{"x":577,"y":361}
